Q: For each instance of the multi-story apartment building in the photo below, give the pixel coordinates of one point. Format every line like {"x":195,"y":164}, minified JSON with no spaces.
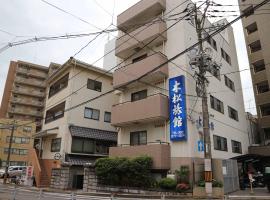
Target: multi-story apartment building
{"x":74,"y":133}
{"x":142,"y":115}
{"x":24,"y":92}
{"x":256,"y":30}
{"x":22,"y":141}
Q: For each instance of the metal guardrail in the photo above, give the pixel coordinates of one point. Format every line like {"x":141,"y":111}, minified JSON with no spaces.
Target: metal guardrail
{"x":19,"y":193}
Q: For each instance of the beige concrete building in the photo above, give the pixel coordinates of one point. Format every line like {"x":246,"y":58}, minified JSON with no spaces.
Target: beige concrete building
{"x":24,"y":93}
{"x":257,"y":31}
{"x":74,"y":135}
{"x":22,"y":141}
{"x":142,"y":114}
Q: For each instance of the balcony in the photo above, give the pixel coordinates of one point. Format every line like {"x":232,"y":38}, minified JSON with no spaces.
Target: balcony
{"x":140,"y":12}
{"x":152,"y":108}
{"x":263,"y":98}
{"x":253,"y":37}
{"x":131,"y":72}
{"x":29,"y":92}
{"x":32,"y":82}
{"x":264,"y":121}
{"x":26,"y":102}
{"x":126,"y":45}
{"x":259,"y":77}
{"x":25,"y":112}
{"x":253,"y":57}
{"x":159,"y":152}
{"x":32,"y":73}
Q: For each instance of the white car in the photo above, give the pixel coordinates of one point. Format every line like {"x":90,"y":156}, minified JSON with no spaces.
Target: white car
{"x":13,"y":171}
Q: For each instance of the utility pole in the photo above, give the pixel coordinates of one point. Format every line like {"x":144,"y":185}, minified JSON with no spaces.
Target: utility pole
{"x":204,"y":63}
{"x":9,"y":149}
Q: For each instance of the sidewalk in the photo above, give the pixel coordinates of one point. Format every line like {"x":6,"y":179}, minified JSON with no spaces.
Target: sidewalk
{"x":259,"y":193}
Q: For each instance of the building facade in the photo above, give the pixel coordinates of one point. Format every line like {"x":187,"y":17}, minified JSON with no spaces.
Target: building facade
{"x":142,"y":115}
{"x":22,"y":141}
{"x":256,"y":30}
{"x":24,"y":93}
{"x":75,"y":135}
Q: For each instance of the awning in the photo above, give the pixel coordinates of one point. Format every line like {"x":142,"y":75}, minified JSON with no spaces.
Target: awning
{"x":97,"y":134}
{"x":46,"y":133}
{"x":249,"y":158}
{"x":79,"y":160}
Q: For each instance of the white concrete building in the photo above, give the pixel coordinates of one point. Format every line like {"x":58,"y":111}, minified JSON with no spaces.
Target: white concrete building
{"x":74,"y":134}
{"x":142,"y":114}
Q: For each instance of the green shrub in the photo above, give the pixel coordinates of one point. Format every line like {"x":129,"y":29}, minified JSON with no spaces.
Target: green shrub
{"x":167,"y":183}
{"x":215,"y":183}
{"x":125,"y":172}
{"x":182,"y":174}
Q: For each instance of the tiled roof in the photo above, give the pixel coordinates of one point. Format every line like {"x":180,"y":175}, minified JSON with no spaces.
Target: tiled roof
{"x":79,"y":160}
{"x":91,"y":133}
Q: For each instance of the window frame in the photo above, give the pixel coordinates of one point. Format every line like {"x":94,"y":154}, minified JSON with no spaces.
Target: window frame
{"x":58,"y":85}
{"x":215,"y":101}
{"x":234,"y":147}
{"x":56,"y":141}
{"x":94,"y":85}
{"x":139,"y":142}
{"x":142,"y":95}
{"x":54,"y":113}
{"x":92,"y":111}
{"x":108,"y":113}
{"x":233,"y":110}
{"x":222,"y":140}
{"x":229,"y":83}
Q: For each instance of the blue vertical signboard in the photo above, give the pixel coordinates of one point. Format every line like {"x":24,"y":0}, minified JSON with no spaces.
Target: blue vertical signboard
{"x":178,"y":117}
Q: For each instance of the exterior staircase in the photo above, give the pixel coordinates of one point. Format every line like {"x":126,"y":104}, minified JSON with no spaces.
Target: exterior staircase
{"x":40,"y":173}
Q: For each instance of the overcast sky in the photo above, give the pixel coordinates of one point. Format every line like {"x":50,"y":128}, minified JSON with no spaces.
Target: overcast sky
{"x":24,"y":19}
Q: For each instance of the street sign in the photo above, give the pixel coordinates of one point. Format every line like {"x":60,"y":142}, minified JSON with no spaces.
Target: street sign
{"x":200,"y":146}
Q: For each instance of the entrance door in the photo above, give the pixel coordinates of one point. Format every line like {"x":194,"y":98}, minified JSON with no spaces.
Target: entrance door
{"x":77,"y":181}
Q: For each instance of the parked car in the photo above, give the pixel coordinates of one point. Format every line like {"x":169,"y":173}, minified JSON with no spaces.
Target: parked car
{"x":13,"y":171}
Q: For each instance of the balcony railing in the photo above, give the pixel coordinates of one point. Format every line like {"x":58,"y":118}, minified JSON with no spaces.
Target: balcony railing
{"x":152,"y":35}
{"x":32,"y":82}
{"x":28,"y":92}
{"x":140,"y":12}
{"x":160,"y":153}
{"x":255,"y":56}
{"x":27,"y":102}
{"x":263,"y":98}
{"x":33,"y":73}
{"x":131,"y":72}
{"x":26,"y":112}
{"x":152,"y":108}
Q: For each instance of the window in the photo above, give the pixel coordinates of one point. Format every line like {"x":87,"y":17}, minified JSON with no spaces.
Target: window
{"x":266,"y":133}
{"x":139,"y":58}
{"x":91,"y":113}
{"x":94,"y":85}
{"x":18,"y":140}
{"x":56,"y":145}
{"x":229,"y":83}
{"x":262,"y":87}
{"x":82,"y":145}
{"x":258,"y":66}
{"x":252,"y":28}
{"x":16,"y":151}
{"x":236,"y":147}
{"x":215,"y":72}
{"x":58,"y":85}
{"x":27,"y":129}
{"x":107,"y":117}
{"x":216,"y":104}
{"x":255,"y":46}
{"x":265,"y":110}
{"x":225,"y":56}
{"x":233,"y":114}
{"x":248,"y":11}
{"x":55,"y":113}
{"x":211,"y":41}
{"x":138,"y":138}
{"x":220,"y":143}
{"x":139,"y":95}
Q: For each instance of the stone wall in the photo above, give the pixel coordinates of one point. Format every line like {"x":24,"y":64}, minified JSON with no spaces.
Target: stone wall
{"x":90,"y":180}
{"x":60,"y":178}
